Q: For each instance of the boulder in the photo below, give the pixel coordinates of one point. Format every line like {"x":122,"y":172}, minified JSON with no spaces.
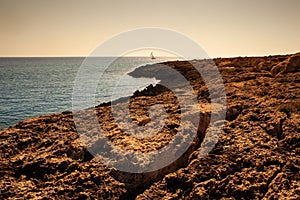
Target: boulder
{"x":292,"y":64}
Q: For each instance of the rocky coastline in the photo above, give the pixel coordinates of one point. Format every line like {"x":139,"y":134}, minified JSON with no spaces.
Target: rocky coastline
{"x":256,"y":156}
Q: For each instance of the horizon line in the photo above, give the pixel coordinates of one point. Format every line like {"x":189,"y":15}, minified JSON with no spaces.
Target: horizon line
{"x":83,"y":56}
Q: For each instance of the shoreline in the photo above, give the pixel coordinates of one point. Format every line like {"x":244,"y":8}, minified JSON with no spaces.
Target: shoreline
{"x":130,"y":73}
{"x":8,"y":123}
{"x":255,"y":154}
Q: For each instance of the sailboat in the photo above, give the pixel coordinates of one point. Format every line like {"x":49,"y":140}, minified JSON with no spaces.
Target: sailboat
{"x":152,"y":56}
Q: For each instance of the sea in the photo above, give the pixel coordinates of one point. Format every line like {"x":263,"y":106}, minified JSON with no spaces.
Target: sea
{"x":35,"y":86}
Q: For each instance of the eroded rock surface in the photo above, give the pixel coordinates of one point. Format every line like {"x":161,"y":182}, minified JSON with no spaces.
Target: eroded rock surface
{"x":256,"y":156}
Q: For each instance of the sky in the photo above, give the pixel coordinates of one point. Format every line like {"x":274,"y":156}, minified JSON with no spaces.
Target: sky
{"x":223,"y":28}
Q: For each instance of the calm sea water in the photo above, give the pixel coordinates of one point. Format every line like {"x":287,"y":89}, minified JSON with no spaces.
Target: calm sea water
{"x":32,"y":87}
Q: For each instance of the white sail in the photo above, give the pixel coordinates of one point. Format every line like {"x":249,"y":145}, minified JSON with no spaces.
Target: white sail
{"x":152,"y":56}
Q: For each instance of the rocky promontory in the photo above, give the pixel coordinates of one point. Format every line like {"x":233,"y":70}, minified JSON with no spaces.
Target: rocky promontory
{"x":256,"y":157}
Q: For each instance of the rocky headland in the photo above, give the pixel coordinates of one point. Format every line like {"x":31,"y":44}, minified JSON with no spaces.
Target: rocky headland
{"x":256,"y":157}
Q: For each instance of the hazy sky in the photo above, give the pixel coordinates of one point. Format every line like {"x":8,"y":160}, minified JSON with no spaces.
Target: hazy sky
{"x":222,"y":27}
